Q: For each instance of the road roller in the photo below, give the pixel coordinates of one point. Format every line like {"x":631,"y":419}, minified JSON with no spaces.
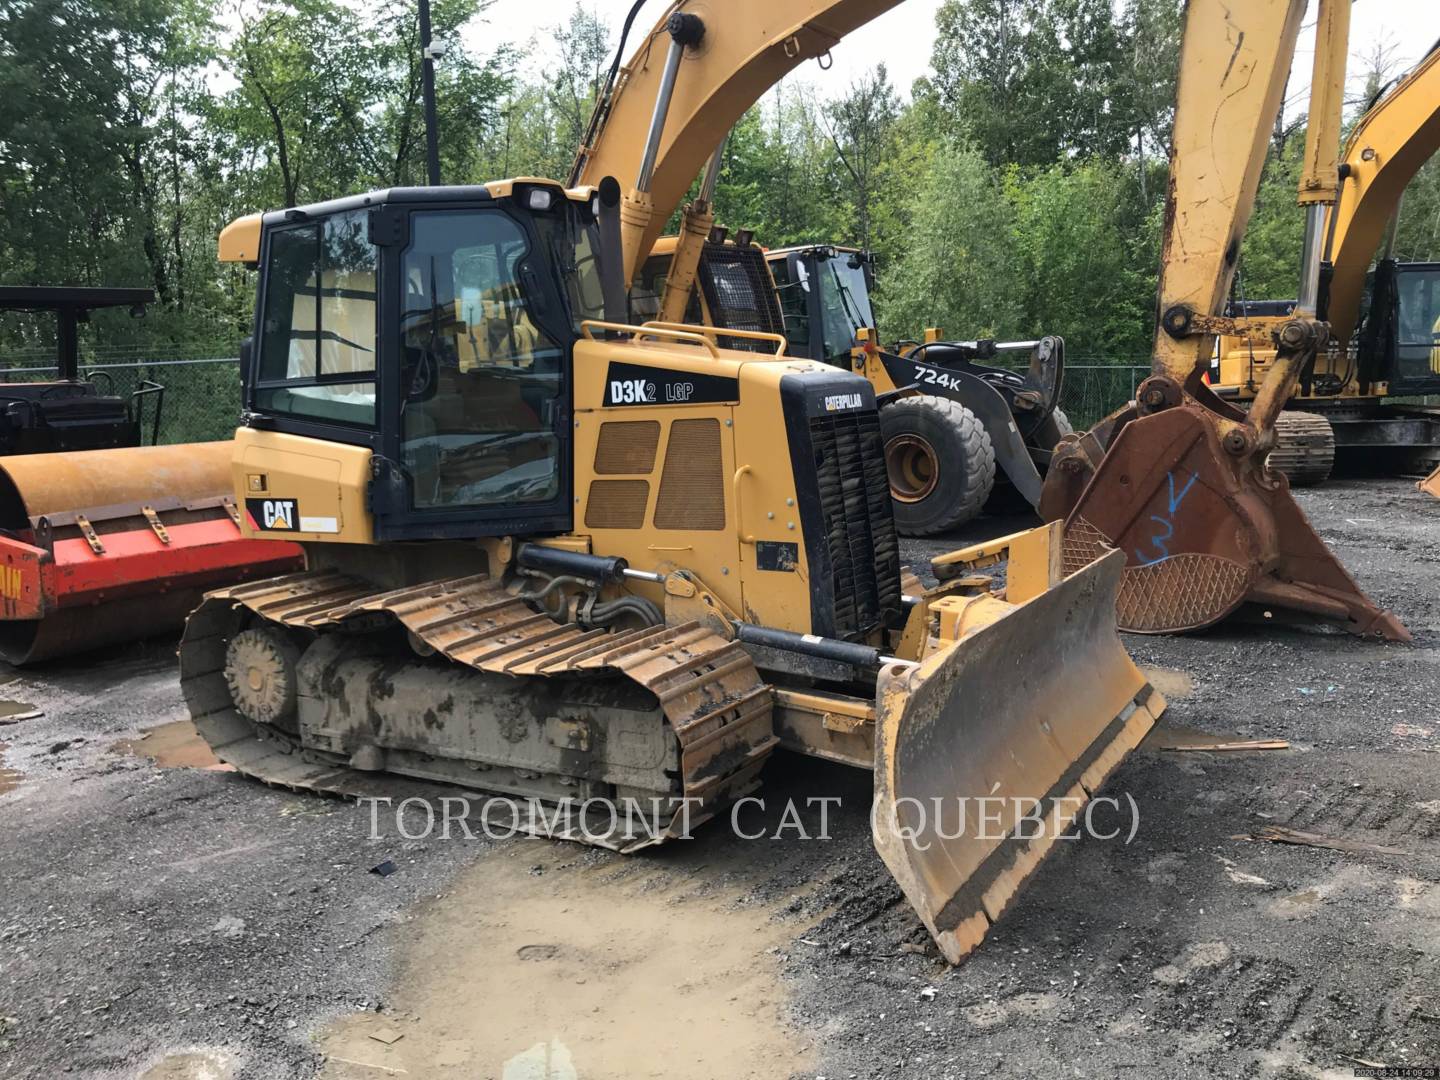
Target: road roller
{"x":103,"y":540}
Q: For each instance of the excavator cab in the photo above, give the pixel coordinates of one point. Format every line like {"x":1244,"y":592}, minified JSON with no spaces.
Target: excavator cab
{"x":1399,"y":329}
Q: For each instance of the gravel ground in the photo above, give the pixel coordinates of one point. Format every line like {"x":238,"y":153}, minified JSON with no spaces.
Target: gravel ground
{"x":183,"y":922}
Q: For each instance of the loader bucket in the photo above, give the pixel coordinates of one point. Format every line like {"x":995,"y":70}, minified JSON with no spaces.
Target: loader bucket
{"x":1205,"y":531}
{"x":104,"y":546}
{"x":987,"y":752}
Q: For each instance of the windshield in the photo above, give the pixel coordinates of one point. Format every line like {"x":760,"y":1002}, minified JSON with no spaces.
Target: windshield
{"x":482,"y":371}
{"x":574,"y":245}
{"x":1419,"y":323}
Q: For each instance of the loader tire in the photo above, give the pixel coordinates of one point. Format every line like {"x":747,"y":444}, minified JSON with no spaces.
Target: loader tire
{"x":1304,"y":448}
{"x":940,"y":461}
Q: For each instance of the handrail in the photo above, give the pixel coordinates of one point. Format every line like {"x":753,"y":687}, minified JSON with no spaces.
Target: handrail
{"x":781,"y":344}
{"x":741,"y":534}
{"x":687,"y":336}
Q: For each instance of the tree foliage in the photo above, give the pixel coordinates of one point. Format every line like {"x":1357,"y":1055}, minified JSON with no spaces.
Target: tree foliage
{"x":1017,"y":191}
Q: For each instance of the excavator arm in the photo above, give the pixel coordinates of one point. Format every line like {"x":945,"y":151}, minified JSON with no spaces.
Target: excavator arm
{"x":669,"y":107}
{"x":1182,"y":487}
{"x":1392,"y":140}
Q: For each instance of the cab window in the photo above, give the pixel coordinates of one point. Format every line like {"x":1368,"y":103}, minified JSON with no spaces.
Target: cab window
{"x":844,"y":305}
{"x":481,"y":378}
{"x":1419,"y":323}
{"x":317,"y":339}
{"x":648,"y":292}
{"x":793,"y":288}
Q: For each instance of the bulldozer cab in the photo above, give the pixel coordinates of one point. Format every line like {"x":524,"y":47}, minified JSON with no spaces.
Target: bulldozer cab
{"x":434,"y":328}
{"x":825,"y":295}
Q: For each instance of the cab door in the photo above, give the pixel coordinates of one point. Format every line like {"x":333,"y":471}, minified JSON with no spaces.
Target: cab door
{"x":477,"y":435}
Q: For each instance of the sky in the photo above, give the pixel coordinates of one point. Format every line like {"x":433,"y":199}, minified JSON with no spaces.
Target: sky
{"x":902,"y":38}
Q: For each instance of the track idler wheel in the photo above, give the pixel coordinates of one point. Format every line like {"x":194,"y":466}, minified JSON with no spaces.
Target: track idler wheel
{"x":260,"y":668}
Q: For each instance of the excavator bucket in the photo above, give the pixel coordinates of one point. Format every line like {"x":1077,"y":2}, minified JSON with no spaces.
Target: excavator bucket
{"x":104,"y":546}
{"x":987,"y":752}
{"x":1205,"y":530}
{"x":1431,"y":484}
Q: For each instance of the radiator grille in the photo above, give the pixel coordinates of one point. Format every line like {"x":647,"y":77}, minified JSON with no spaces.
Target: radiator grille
{"x":859,"y":527}
{"x":740,"y":294}
{"x":692,"y":487}
{"x":616,"y":504}
{"x":627,"y":446}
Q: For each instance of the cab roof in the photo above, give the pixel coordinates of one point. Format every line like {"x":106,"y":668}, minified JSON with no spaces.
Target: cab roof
{"x":240,"y":240}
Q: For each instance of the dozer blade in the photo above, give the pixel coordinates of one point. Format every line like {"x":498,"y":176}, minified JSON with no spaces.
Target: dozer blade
{"x":1431,"y":484}
{"x":1204,"y":531}
{"x":987,"y":752}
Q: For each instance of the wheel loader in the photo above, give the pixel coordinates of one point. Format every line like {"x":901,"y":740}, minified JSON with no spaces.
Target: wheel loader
{"x":578,"y":562}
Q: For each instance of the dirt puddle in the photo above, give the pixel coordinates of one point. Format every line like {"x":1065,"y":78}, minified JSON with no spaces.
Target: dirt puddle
{"x":12,"y":712}
{"x":176,"y":745}
{"x":619,"y":971}
{"x":9,"y":778}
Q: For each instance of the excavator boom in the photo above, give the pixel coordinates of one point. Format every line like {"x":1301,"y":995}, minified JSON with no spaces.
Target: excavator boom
{"x":690,"y":102}
{"x":1382,"y":155}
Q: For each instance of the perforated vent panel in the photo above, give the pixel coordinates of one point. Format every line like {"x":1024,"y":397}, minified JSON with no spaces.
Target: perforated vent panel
{"x":627,"y":447}
{"x":692,"y":487}
{"x":616,"y":504}
{"x":864,"y":552}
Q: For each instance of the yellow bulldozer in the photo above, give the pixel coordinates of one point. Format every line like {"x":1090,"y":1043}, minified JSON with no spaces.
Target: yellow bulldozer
{"x":566,"y":559}
{"x":572,"y":560}
{"x":579,"y":562}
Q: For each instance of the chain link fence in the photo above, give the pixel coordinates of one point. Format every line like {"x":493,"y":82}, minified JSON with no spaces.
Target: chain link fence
{"x":1093,"y":391}
{"x":178,"y":398}
{"x":201,"y":396}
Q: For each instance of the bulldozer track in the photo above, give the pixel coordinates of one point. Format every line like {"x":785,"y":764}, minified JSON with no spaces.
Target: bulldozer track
{"x":709,"y":691}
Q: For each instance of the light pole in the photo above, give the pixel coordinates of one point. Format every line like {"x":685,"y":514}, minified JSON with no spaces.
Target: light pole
{"x":429,"y":53}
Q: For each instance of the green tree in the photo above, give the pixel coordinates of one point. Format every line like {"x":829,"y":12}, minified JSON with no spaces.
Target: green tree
{"x":861,"y":126}
{"x":1085,"y":261}
{"x":958,"y":272}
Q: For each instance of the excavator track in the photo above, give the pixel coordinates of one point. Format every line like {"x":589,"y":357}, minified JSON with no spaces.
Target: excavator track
{"x":1304,"y":448}
{"x":709,"y":692}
